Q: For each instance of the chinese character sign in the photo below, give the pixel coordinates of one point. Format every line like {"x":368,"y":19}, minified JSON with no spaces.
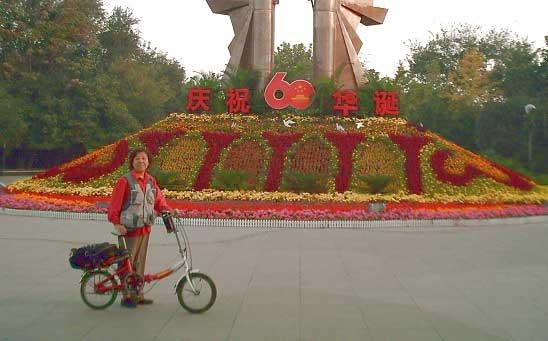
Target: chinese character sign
{"x":280,"y":94}
{"x":198,"y":98}
{"x":346,"y":101}
{"x":237,"y":101}
{"x":387,"y":103}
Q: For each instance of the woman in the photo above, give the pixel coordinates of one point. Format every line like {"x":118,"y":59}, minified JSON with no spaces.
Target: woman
{"x":136,"y":199}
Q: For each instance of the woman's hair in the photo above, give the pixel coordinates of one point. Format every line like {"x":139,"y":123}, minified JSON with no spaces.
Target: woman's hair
{"x":134,"y":153}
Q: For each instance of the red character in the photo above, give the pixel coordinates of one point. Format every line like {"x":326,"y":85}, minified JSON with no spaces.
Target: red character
{"x":198,"y":98}
{"x":387,"y":103}
{"x":238,"y":101}
{"x":346,"y":101}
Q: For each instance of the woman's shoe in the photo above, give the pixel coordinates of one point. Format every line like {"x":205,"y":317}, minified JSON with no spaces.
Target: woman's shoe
{"x":129,"y":303}
{"x":145,"y":301}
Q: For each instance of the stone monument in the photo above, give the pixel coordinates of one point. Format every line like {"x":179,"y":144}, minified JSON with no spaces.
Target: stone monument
{"x":336,"y":44}
{"x":253,"y":44}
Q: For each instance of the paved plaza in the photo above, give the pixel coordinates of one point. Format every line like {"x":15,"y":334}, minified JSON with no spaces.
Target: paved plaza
{"x":466,"y":283}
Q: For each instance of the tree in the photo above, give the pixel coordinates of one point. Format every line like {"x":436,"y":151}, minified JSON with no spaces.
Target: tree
{"x":81,"y":76}
{"x":12,"y":121}
{"x":120,"y":39}
{"x":472,"y":86}
{"x":296,"y":60}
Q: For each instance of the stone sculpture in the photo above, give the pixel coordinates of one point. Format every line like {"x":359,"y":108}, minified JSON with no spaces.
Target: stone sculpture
{"x":253,"y":44}
{"x":336,"y":44}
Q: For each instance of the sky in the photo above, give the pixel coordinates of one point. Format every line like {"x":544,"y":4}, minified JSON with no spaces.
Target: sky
{"x":188,"y":31}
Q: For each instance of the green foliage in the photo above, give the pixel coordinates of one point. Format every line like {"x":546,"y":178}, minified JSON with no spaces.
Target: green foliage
{"x":12,"y":120}
{"x":300,"y":182}
{"x":541,"y":179}
{"x":323,"y":97}
{"x":242,"y":78}
{"x":166,"y":179}
{"x":471,"y":87}
{"x":231,"y":180}
{"x":296,"y":60}
{"x":79,"y":75}
{"x":373,"y":184}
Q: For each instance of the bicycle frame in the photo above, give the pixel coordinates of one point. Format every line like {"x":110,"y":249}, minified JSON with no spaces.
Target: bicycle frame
{"x":127,"y":267}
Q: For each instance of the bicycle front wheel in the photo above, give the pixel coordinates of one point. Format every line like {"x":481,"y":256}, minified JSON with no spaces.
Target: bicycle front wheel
{"x":199,"y":299}
{"x":90,"y":291}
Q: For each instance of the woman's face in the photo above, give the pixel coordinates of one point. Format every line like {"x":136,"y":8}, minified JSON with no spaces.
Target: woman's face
{"x":140,"y":162}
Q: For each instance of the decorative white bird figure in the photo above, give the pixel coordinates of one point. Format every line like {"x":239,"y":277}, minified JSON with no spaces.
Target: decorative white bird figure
{"x":529,"y":108}
{"x":289,"y":122}
{"x":339,"y":127}
{"x":359,"y":125}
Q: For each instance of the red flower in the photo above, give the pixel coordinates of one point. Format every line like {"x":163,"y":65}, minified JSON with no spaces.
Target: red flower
{"x":216,"y":142}
{"x":154,"y":139}
{"x":516,"y":180}
{"x":280,"y":143}
{"x":411,"y":146}
{"x":345,"y":144}
{"x":88,"y":170}
{"x":437,"y":160}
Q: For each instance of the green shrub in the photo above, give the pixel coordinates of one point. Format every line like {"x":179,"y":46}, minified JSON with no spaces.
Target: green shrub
{"x":322,"y":103}
{"x":541,"y":179}
{"x":167,"y":179}
{"x":305,"y":182}
{"x":373,"y":184}
{"x":231,"y":180}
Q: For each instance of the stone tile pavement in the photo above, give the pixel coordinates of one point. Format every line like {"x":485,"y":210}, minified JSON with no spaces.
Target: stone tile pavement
{"x":465,"y":283}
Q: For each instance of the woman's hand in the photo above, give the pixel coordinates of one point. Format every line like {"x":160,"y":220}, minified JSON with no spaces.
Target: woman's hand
{"x":121,"y":229}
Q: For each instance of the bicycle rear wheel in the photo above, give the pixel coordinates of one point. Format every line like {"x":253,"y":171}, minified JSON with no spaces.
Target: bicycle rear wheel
{"x":88,"y":289}
{"x":199,"y":300}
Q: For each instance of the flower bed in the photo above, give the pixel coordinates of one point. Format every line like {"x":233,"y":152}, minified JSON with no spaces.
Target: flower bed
{"x":283,"y":210}
{"x":327,"y":160}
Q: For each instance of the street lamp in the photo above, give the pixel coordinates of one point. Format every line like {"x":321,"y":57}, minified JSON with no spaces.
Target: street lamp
{"x":529,"y":108}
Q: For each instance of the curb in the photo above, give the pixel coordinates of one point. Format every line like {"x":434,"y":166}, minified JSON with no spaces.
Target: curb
{"x":20,"y":172}
{"x":296,"y":224}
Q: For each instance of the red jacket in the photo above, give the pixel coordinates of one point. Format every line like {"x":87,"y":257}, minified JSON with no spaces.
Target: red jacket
{"x":120,"y":194}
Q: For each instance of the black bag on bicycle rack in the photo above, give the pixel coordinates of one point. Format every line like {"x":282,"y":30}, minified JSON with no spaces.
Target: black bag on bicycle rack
{"x":91,"y":256}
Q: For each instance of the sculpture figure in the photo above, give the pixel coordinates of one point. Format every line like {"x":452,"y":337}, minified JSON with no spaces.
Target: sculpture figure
{"x":336,"y":43}
{"x":253,"y":44}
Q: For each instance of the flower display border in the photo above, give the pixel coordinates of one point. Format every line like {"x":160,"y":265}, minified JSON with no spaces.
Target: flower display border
{"x":332,"y":162}
{"x":264,"y":164}
{"x":189,"y":178}
{"x":426,"y":179}
{"x":283,"y":210}
{"x":401,"y":178}
{"x":216,"y":142}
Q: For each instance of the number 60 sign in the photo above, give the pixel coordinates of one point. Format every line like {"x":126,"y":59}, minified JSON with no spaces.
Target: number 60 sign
{"x":297,"y":94}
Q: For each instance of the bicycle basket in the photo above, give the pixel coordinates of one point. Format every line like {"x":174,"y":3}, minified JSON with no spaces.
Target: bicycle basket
{"x":91,"y":256}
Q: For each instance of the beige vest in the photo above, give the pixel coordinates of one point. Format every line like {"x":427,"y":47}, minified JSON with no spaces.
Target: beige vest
{"x":138,"y":209}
